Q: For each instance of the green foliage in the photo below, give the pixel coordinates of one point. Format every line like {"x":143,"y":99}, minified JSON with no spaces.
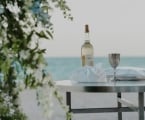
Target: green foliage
{"x":24,"y":23}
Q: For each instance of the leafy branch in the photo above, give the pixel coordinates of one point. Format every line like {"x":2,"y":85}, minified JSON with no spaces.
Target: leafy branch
{"x":24,"y":24}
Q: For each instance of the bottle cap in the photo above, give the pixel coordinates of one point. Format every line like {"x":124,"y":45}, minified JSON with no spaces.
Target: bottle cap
{"x":86,"y":28}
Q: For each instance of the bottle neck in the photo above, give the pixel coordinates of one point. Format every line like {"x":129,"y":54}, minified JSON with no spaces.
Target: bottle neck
{"x":87,"y":37}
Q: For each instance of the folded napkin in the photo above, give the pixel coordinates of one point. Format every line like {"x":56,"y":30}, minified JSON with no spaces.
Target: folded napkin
{"x":127,"y":73}
{"x":89,"y":74}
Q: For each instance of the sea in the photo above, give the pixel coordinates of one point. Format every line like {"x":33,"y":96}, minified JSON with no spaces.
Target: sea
{"x":61,"y":68}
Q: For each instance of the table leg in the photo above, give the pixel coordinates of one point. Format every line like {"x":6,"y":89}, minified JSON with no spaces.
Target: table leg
{"x":119,"y":106}
{"x":68,"y":100}
{"x":141,"y":105}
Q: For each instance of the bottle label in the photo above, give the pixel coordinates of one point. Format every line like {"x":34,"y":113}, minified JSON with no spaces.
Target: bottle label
{"x":87,"y":60}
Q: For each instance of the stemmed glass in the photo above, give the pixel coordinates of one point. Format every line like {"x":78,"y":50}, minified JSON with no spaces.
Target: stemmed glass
{"x":114,"y":59}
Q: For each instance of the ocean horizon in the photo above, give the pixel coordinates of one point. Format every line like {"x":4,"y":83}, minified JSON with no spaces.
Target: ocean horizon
{"x":61,"y":68}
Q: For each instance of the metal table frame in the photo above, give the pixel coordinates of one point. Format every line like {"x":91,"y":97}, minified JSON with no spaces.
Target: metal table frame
{"x":118,"y":87}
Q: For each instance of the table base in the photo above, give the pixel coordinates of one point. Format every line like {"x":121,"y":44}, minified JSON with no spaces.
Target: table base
{"x":140,"y":109}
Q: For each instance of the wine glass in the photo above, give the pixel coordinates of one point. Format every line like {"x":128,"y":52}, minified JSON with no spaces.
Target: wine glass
{"x":114,"y":59}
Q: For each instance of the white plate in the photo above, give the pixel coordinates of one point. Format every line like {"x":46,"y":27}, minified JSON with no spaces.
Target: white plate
{"x":132,"y":78}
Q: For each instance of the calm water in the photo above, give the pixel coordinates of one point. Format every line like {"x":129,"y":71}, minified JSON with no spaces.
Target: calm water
{"x":62,"y":67}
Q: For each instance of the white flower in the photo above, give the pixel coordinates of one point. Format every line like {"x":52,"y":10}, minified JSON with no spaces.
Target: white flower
{"x":45,"y":99}
{"x":38,"y":74}
{"x":13,"y":8}
{"x":47,"y":78}
{"x":12,"y":111}
{"x":29,"y":71}
{"x":24,"y":54}
{"x":30,"y":20}
{"x":4,"y":24}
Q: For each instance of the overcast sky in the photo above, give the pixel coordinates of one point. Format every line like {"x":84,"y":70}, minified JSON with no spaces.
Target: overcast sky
{"x":115,"y":26}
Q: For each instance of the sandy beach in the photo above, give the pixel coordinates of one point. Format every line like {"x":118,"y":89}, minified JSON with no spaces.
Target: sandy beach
{"x":79,"y":100}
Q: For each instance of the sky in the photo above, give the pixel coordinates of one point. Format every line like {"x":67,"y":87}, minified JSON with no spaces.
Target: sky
{"x":115,"y":26}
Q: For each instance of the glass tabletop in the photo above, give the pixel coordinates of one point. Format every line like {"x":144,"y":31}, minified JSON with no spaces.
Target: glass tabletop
{"x":117,"y":86}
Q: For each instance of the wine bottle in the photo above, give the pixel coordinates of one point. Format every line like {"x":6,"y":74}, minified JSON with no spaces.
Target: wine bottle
{"x":87,"y":50}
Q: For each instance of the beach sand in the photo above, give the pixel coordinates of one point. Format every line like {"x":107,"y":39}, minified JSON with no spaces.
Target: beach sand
{"x":79,"y":100}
